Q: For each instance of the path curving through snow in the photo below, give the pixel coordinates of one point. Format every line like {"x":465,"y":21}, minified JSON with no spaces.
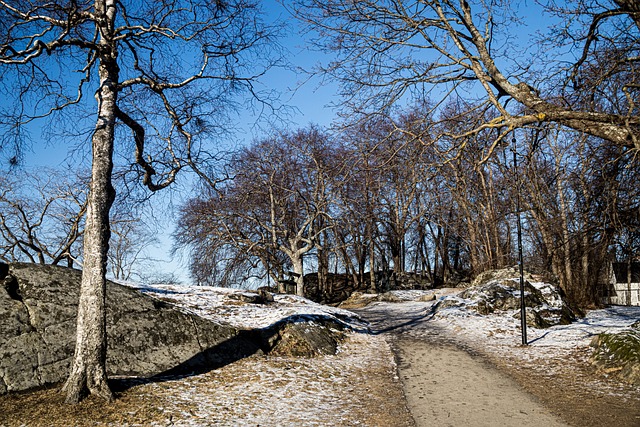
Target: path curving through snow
{"x":446,"y":385}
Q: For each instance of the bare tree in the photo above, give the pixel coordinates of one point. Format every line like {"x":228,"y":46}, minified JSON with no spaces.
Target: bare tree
{"x":162,"y":69}
{"x":392,"y":49}
{"x":130,"y":241}
{"x":581,"y":199}
{"x":271,"y":210}
{"x":41,"y":217}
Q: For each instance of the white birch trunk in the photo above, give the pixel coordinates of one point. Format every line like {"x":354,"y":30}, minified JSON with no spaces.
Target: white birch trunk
{"x":88,"y":369}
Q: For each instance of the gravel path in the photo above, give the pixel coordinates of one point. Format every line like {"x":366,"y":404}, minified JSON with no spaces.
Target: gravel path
{"x":447,"y":386}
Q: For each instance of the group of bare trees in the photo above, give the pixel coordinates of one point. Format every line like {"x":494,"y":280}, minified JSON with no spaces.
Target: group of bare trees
{"x":42,"y":221}
{"x":574,"y":84}
{"x":387,"y":196}
{"x":275,"y":208}
{"x":41,"y":218}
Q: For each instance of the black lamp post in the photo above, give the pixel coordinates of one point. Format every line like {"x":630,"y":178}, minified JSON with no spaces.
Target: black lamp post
{"x":523,"y":307}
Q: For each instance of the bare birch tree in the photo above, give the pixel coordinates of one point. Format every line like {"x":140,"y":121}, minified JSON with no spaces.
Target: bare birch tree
{"x":164,"y":70}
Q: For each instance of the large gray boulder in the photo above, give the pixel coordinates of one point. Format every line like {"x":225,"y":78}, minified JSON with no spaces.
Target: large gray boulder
{"x":38,"y":307}
{"x":146,"y":336}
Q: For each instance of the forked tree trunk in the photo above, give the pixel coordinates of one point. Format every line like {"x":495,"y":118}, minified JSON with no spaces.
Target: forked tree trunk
{"x":88,"y":369}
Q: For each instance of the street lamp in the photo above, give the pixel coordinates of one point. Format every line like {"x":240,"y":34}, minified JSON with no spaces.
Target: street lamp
{"x":523,"y":307}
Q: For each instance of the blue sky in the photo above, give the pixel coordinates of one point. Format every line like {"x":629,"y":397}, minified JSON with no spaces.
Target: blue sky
{"x":309,"y":100}
{"x":310,"y":103}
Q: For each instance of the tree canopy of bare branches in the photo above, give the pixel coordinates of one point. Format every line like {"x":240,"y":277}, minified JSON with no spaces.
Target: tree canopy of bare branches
{"x":41,"y":218}
{"x":584,"y":76}
{"x":273,"y":211}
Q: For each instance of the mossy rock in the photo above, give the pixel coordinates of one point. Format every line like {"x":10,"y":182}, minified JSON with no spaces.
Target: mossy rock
{"x":303,"y":337}
{"x":618,"y":354}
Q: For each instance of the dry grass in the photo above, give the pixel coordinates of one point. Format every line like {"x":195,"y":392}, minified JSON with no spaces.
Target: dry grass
{"x":357,"y":387}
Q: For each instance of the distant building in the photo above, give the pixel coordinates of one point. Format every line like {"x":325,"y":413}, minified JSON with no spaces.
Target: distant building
{"x":616,"y":287}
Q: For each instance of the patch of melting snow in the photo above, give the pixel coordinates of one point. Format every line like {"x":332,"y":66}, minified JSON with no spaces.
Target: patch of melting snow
{"x":217,"y":304}
{"x":311,"y":393}
{"x":500,"y":329}
{"x":499,"y":333}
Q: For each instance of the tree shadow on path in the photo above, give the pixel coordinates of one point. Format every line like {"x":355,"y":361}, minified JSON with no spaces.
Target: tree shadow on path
{"x":381,"y":321}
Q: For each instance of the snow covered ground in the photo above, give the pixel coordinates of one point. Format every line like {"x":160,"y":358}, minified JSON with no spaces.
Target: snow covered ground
{"x":226,"y":305}
{"x":359,"y":385}
{"x":501,"y":329}
{"x":498,"y":333}
{"x":338,"y":390}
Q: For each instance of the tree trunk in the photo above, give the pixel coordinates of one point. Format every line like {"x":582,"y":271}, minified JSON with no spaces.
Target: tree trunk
{"x":373,"y":286}
{"x":566,"y":240}
{"x":323,"y":272}
{"x":88,"y":369}
{"x":629,"y":263}
{"x":298,"y":268}
{"x":281,"y":281}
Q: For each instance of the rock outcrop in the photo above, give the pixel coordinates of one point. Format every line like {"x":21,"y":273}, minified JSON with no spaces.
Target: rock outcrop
{"x":38,"y":307}
{"x":619,"y":354}
{"x":303,"y":336}
{"x":146,"y":336}
{"x":499,"y":291}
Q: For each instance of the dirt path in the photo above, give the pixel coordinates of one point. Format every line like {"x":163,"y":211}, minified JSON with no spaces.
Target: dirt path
{"x":447,"y":386}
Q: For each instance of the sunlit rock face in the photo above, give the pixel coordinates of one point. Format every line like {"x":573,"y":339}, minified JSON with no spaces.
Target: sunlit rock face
{"x":38,"y":307}
{"x":147,"y":336}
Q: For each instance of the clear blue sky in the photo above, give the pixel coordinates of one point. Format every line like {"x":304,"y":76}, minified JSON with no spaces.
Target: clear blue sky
{"x":310,"y":101}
